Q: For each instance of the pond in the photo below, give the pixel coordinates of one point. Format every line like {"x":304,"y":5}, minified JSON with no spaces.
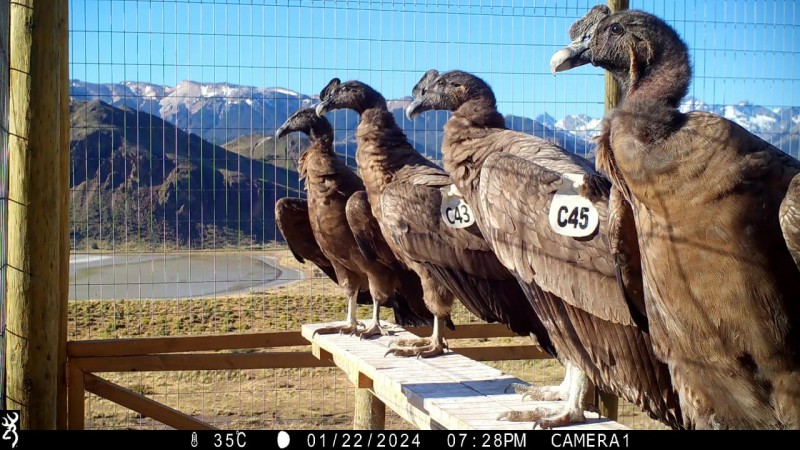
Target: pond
{"x":173,"y":275}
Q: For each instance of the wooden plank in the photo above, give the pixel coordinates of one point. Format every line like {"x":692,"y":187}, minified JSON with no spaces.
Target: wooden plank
{"x":468,"y":331}
{"x":76,"y":398}
{"x":34,"y":232}
{"x":392,"y":396}
{"x":502,"y":352}
{"x":449,"y":391}
{"x":64,"y":208}
{"x":178,"y":344}
{"x":200,"y":361}
{"x":143,"y":405}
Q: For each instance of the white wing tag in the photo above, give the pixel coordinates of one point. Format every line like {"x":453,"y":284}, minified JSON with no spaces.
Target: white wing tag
{"x":456,"y":213}
{"x":570,"y":213}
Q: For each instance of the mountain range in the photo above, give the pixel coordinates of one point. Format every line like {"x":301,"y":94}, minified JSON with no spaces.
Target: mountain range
{"x":223,"y":112}
{"x":139,"y":181}
{"x":197,"y":164}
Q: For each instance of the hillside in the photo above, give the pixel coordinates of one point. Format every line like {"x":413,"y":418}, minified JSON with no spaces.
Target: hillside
{"x":202,"y":168}
{"x":261,"y":147}
{"x":244,"y":118}
{"x":139,"y":181}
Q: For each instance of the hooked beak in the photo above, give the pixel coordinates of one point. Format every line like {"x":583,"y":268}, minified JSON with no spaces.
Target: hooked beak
{"x":322,"y":107}
{"x":415,"y":108}
{"x":574,"y":55}
{"x":282,"y":131}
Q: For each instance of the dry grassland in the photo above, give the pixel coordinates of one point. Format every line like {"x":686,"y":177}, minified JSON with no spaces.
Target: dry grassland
{"x":320,"y":398}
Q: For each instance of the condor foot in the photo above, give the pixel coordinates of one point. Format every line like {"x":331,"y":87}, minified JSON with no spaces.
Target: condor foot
{"x":375,"y":330}
{"x":540,"y":393}
{"x":421,"y":348}
{"x":347,"y":328}
{"x":544,"y":418}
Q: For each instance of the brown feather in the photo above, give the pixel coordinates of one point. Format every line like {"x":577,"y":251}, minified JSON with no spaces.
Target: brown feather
{"x":510,"y":178}
{"x":715,"y":209}
{"x":330,"y":185}
{"x":403,"y":189}
{"x":698,"y":196}
{"x":291,"y":216}
{"x":790,"y":219}
{"x":575,"y":280}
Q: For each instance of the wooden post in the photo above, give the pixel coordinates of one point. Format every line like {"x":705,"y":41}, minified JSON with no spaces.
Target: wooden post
{"x":609,"y":403}
{"x":370,"y":413}
{"x":76,"y":390}
{"x":64,"y":160}
{"x":613,"y":94}
{"x":34,"y":231}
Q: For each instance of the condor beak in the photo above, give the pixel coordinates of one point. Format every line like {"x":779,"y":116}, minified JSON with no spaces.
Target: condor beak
{"x":415,"y":108}
{"x":574,"y":55}
{"x":282,"y":131}
{"x":322,"y":107}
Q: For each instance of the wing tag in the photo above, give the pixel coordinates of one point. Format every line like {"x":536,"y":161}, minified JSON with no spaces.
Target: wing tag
{"x":570,"y":213}
{"x":456,"y":213}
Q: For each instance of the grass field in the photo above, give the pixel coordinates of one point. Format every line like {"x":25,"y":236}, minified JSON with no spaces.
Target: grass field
{"x":245,"y":399}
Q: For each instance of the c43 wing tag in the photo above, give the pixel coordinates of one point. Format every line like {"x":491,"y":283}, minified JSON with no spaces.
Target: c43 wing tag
{"x":570,"y":213}
{"x":456,"y":213}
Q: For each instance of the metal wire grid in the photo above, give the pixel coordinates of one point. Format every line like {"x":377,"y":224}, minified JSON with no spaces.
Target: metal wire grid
{"x":169,"y":271}
{"x":4,"y":83}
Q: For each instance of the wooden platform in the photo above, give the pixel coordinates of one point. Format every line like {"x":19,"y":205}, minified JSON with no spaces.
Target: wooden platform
{"x":447,"y":392}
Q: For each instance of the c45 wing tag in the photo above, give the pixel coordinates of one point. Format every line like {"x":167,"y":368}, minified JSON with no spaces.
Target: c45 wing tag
{"x":570,"y":213}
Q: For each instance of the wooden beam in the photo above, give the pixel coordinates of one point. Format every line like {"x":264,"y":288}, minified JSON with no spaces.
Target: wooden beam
{"x":502,"y":352}
{"x":143,"y":405}
{"x":613,"y":92}
{"x":34,"y":231}
{"x":370,"y":411}
{"x":320,"y":353}
{"x":76,"y":397}
{"x":468,"y":331}
{"x":609,"y":403}
{"x":63,"y":269}
{"x":178,"y":344}
{"x":200,"y":361}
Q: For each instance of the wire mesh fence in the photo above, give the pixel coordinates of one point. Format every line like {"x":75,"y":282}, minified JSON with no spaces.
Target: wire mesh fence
{"x":175,"y":168}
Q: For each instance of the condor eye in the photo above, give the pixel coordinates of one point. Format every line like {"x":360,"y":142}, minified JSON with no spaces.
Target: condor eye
{"x":617,"y":29}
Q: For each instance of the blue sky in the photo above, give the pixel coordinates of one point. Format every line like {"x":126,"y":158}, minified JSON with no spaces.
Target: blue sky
{"x":741,"y":49}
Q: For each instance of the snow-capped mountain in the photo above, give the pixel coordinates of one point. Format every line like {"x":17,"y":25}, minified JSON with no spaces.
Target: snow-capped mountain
{"x":222,"y":112}
{"x":779,"y":126}
{"x":757,"y":119}
{"x":218,"y":112}
{"x":580,"y":125}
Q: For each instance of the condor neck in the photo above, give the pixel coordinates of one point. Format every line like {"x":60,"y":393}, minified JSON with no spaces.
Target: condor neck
{"x":322,"y":141}
{"x":318,"y":147}
{"x":378,"y":104}
{"x":666,"y":81}
{"x":473,"y":120}
{"x":383,"y":149}
{"x":379,"y":135}
{"x":481,"y":112}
